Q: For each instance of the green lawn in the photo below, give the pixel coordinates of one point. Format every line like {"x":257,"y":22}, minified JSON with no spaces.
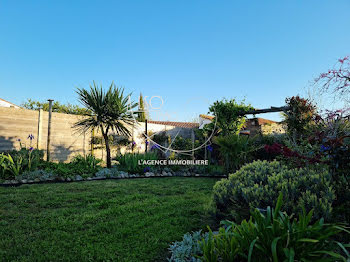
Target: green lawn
{"x":114,"y":220}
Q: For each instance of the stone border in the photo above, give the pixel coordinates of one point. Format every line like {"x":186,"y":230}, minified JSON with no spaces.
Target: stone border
{"x":78,"y":178}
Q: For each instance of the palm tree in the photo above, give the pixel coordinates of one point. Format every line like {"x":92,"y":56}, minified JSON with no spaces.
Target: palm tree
{"x":109,"y":111}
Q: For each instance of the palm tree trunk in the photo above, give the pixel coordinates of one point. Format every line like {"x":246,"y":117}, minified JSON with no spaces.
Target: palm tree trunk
{"x":108,"y":150}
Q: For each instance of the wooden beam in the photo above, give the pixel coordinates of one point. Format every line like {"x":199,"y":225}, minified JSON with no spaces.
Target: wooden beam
{"x":267,"y":110}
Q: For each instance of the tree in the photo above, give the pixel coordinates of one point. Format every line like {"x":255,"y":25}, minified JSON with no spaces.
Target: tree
{"x":108,"y":111}
{"x":336,"y":80}
{"x":56,"y":107}
{"x":141,"y":113}
{"x":228,"y":116}
{"x":300,"y":117}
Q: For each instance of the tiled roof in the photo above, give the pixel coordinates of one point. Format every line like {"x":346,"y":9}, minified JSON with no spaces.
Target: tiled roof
{"x":177,"y":124}
{"x":258,"y":122}
{"x":207,"y":117}
{"x":263,"y":121}
{"x":245,"y":132}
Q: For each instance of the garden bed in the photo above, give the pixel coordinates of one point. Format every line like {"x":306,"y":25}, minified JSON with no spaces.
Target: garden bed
{"x":103,"y":174}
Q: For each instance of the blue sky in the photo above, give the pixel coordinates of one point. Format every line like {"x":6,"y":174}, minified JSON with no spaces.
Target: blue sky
{"x":190,"y":53}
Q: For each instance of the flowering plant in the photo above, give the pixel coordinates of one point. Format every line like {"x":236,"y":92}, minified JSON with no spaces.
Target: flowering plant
{"x":294,"y":157}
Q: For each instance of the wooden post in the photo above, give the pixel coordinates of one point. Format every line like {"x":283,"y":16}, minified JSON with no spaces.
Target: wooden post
{"x":146,"y":136}
{"x":205,"y":148}
{"x":40,"y":129}
{"x":49,"y":131}
{"x":192,"y":135}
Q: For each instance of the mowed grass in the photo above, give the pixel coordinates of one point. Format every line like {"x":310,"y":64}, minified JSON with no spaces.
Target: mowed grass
{"x":114,"y":220}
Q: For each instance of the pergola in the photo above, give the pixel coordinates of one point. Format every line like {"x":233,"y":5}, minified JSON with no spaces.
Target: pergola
{"x":272,"y":109}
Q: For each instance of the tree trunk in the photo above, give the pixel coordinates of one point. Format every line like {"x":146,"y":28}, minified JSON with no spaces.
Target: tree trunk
{"x":108,"y":150}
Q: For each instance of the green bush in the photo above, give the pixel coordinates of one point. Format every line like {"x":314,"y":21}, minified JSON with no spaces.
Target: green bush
{"x":189,"y":249}
{"x":80,"y":165}
{"x":257,"y":185}
{"x":88,"y":161}
{"x":129,"y":162}
{"x":37,"y":174}
{"x":10,"y":167}
{"x":269,"y":139}
{"x":235,"y":150}
{"x":30,"y":157}
{"x":213,"y":170}
{"x":160,"y":138}
{"x":16,"y":162}
{"x":275,"y":236}
{"x":261,"y":140}
{"x":180,"y":144}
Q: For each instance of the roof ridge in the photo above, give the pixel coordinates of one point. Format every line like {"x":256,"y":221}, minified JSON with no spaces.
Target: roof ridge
{"x":175,"y":123}
{"x":8,"y":102}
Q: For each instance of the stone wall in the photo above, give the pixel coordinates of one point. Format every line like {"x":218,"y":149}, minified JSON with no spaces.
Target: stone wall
{"x":274,"y":128}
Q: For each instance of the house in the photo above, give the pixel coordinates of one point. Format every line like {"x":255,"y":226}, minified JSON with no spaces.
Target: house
{"x":175,"y":124}
{"x":173,"y":129}
{"x":4,"y":103}
{"x":258,"y":125}
{"x":252,"y":126}
{"x":204,"y":119}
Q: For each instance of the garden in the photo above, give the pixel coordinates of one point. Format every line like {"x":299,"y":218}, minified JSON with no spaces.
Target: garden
{"x":269,"y":197}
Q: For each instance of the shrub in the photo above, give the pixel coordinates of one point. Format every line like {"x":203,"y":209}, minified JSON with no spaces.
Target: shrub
{"x":260,"y":141}
{"x":30,"y":157}
{"x":80,"y":165}
{"x":88,"y":161}
{"x":213,"y":170}
{"x":328,"y":143}
{"x":10,"y":168}
{"x":275,"y":236}
{"x":15,"y":162}
{"x":2,"y":166}
{"x":160,"y":138}
{"x":305,"y":155}
{"x":332,"y":141}
{"x":107,"y":172}
{"x":269,"y":139}
{"x":129,"y":162}
{"x":257,"y":185}
{"x":180,"y":144}
{"x":187,"y":250}
{"x":40,"y":174}
{"x":235,"y":150}
{"x":228,"y":116}
{"x":63,"y":169}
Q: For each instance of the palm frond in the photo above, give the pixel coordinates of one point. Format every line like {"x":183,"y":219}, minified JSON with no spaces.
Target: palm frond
{"x":110,"y":109}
